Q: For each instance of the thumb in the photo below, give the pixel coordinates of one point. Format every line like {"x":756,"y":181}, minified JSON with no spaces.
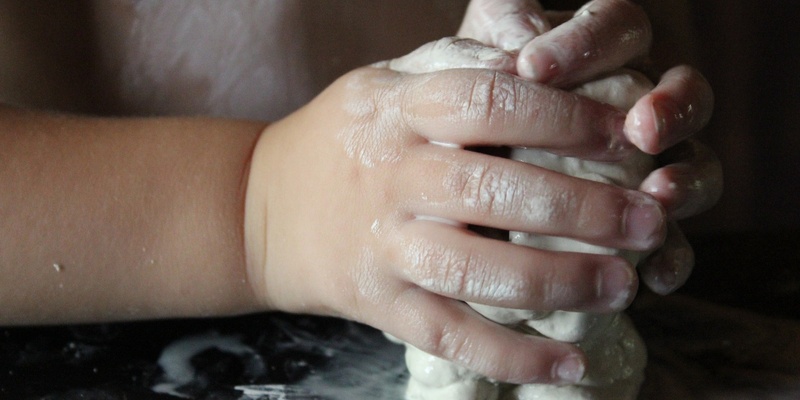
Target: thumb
{"x":507,"y":24}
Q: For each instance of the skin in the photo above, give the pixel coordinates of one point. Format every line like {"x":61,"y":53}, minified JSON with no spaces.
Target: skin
{"x":125,"y":219}
{"x":241,"y":239}
{"x":408,"y":148}
{"x":681,"y":102}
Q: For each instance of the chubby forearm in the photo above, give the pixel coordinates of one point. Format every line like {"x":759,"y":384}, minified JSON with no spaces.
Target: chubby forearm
{"x":107,"y":219}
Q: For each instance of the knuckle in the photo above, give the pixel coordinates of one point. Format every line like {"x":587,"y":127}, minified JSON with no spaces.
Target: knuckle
{"x":441,"y":269}
{"x":363,"y":93}
{"x":357,"y":80}
{"x":491,"y":97}
{"x":449,"y":342}
{"x":487,"y":189}
{"x":464,"y":273}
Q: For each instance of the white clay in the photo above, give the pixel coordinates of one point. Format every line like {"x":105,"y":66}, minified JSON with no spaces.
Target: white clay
{"x":451,"y":53}
{"x":618,"y":358}
{"x":175,"y":359}
{"x":440,"y":379}
{"x":616,"y":353}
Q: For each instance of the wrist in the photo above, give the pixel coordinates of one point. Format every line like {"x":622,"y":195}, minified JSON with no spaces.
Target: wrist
{"x":282,"y":221}
{"x":255,"y":218}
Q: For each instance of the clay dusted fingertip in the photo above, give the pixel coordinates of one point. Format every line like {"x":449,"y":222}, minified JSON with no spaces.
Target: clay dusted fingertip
{"x":618,"y":146}
{"x":636,"y":127}
{"x":644,"y":221}
{"x":617,"y":284}
{"x":670,"y":270}
{"x":537,"y":63}
{"x":569,"y":369}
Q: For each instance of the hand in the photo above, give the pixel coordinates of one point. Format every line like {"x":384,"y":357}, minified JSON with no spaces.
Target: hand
{"x":603,"y":36}
{"x":356,"y":209}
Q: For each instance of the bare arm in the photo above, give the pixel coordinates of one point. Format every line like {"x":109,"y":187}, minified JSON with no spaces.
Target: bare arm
{"x":121,"y":218}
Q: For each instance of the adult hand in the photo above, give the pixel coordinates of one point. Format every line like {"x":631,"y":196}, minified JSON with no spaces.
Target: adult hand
{"x":356,"y":209}
{"x":601,"y":37}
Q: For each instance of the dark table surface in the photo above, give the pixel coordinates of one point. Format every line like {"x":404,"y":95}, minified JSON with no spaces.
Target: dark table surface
{"x":757,"y":274}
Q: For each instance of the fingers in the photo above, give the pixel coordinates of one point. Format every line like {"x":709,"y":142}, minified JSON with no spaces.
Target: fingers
{"x":679,"y":106}
{"x":690,"y":183}
{"x":602,"y":36}
{"x":455,"y":263}
{"x":480,"y":107}
{"x":451,"y":330}
{"x":667,"y":269}
{"x":477,"y":189}
{"x":508,"y":25}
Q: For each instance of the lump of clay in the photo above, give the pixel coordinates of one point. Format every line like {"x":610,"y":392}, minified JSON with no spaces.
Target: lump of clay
{"x":616,"y":353}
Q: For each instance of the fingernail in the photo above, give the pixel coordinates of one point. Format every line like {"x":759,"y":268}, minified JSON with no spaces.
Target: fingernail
{"x":618,"y":145}
{"x":668,"y":122}
{"x":537,"y":65}
{"x":635,"y":134}
{"x":673,"y":270}
{"x":570,"y":369}
{"x":615,"y":285}
{"x":644,"y":222}
{"x":659,"y":118}
{"x":667,"y":278}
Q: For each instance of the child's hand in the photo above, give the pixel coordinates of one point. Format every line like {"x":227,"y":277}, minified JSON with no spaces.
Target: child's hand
{"x":601,"y":37}
{"x":356,"y":209}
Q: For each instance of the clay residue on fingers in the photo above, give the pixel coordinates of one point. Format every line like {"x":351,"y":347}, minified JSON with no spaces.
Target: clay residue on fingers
{"x":453,"y":53}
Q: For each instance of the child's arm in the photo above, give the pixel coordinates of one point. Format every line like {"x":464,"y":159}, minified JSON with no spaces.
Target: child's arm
{"x":105,"y":219}
{"x":343,"y":212}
